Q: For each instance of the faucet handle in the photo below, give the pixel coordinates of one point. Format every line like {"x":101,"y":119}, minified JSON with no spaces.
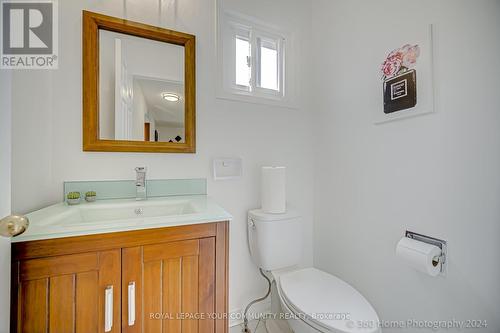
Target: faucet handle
{"x":141,"y":169}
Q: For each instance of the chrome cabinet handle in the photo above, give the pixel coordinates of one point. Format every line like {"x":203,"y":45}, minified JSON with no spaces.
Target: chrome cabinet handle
{"x":13,"y":225}
{"x":108,"y":308}
{"x":131,"y":303}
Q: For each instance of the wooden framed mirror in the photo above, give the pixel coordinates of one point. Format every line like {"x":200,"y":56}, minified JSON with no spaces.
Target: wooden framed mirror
{"x":138,"y":87}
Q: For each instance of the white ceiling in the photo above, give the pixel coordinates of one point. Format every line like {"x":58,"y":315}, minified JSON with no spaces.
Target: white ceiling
{"x":164,"y":112}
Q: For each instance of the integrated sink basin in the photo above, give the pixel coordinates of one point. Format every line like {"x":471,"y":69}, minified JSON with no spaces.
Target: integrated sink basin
{"x":62,"y":220}
{"x":135,"y":210}
{"x":103,"y":212}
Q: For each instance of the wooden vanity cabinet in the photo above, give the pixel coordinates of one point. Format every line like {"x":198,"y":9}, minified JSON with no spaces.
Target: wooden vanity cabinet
{"x":66,"y":293}
{"x":156,"y":280}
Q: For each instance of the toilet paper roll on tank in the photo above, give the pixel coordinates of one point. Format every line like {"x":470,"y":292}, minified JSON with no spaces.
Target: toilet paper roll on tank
{"x":273,"y":189}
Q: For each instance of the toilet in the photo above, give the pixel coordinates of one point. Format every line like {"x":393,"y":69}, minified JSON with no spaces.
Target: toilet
{"x":312,"y":301}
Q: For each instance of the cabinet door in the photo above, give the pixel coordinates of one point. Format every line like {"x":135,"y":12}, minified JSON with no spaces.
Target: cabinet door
{"x":169,"y":287}
{"x":67,"y":294}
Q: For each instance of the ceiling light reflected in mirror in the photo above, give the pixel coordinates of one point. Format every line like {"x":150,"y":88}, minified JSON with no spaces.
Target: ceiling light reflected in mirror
{"x":171,"y":97}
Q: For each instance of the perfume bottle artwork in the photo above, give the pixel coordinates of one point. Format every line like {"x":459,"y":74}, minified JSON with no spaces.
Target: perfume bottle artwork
{"x":399,"y":78}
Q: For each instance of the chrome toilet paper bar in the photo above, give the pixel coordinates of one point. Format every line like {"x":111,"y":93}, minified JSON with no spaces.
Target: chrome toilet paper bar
{"x":433,"y":241}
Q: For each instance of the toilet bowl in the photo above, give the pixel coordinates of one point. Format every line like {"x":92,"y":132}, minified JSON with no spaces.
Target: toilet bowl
{"x":312,"y":301}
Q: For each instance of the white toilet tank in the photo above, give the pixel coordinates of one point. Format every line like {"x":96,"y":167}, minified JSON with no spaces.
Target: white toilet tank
{"x":275,"y":240}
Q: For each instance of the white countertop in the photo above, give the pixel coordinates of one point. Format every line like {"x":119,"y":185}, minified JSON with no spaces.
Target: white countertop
{"x":105,"y":216}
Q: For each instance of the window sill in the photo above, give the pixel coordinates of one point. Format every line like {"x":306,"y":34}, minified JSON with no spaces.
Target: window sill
{"x":245,"y":98}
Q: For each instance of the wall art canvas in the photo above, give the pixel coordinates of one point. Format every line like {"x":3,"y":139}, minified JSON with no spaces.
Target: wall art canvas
{"x":406,"y":76}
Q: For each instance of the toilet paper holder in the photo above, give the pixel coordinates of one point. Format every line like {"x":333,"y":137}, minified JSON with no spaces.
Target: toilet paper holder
{"x":441,"y":259}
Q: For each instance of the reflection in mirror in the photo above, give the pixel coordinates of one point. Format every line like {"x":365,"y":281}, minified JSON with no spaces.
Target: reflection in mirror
{"x":141,"y":89}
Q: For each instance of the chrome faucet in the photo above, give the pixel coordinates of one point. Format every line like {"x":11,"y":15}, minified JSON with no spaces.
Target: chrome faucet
{"x":140,"y":184}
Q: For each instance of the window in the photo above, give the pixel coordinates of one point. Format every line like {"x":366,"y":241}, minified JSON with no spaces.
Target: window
{"x":243,"y":54}
{"x":251,"y":59}
{"x":268,"y":64}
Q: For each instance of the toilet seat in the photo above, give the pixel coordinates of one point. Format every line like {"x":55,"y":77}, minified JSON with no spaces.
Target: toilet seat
{"x":325,"y":302}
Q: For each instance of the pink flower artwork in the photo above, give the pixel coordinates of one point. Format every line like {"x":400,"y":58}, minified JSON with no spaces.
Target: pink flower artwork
{"x":400,"y":60}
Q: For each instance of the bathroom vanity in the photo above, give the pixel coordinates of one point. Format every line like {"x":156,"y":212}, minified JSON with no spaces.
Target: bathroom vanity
{"x":123,"y":266}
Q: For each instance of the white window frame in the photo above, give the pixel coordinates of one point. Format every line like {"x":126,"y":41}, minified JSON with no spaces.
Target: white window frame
{"x":280,"y":42}
{"x":233,"y":30}
{"x":232,"y":24}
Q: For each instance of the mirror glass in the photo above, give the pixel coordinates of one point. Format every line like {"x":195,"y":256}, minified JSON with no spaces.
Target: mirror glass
{"x":141,"y":89}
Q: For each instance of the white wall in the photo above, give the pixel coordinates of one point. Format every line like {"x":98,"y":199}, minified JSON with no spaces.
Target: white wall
{"x":5,"y":202}
{"x":167,"y":133}
{"x":154,"y":59}
{"x":47,"y":140}
{"x":437,"y":174}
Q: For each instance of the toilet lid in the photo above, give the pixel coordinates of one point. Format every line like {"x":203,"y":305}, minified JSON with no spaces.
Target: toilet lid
{"x":328,"y":302}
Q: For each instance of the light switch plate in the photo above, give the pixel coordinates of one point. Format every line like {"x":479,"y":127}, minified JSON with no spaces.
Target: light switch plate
{"x":227,"y":168}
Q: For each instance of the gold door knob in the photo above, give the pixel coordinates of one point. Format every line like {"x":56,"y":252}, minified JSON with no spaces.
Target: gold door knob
{"x":13,"y":225}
